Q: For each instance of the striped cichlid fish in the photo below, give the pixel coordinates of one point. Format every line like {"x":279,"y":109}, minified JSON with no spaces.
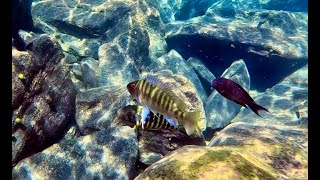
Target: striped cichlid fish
{"x":153,"y":121}
{"x":153,"y":95}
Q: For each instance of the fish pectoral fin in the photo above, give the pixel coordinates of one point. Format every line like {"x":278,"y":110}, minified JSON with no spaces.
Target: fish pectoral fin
{"x":144,"y":114}
{"x":190,"y":124}
{"x":171,"y":122}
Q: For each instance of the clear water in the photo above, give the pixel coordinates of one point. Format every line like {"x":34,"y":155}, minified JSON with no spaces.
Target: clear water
{"x":74,"y":116}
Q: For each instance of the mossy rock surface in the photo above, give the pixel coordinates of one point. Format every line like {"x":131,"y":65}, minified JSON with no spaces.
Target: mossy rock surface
{"x":256,"y":161}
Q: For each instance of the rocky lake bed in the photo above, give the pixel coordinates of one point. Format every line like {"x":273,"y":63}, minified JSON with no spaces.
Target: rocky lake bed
{"x":68,"y":90}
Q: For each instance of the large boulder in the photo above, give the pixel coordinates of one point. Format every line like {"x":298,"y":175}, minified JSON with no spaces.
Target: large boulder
{"x":43,"y":98}
{"x":108,"y":154}
{"x":272,"y":42}
{"x":284,"y":147}
{"x":121,"y":60}
{"x":82,"y":26}
{"x":220,"y":110}
{"x":240,"y":151}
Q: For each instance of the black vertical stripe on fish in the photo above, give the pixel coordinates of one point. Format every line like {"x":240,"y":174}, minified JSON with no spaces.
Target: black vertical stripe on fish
{"x":147,"y":125}
{"x":156,"y":122}
{"x":162,"y":122}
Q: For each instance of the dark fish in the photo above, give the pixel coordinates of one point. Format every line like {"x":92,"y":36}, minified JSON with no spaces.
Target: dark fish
{"x":234,"y":92}
{"x":298,"y":114}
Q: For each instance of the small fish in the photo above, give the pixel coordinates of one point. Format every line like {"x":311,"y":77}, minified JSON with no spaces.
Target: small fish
{"x":298,"y":114}
{"x":152,"y":121}
{"x":234,"y":92}
{"x":153,"y":95}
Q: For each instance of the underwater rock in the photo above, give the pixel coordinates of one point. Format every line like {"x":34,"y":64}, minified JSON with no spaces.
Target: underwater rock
{"x":284,"y":101}
{"x":154,"y":144}
{"x":194,"y":162}
{"x":176,"y":10}
{"x":78,"y":47}
{"x":204,"y":74}
{"x":289,"y":5}
{"x":97,"y":107}
{"x":272,"y":42}
{"x":88,"y":69}
{"x":121,"y":59}
{"x":69,"y":58}
{"x":284,"y":147}
{"x":76,"y":70}
{"x":43,"y":98}
{"x":174,"y":62}
{"x":201,"y":70}
{"x":240,"y":151}
{"x":82,"y":27}
{"x":220,"y":110}
{"x":89,"y":19}
{"x":107,"y":154}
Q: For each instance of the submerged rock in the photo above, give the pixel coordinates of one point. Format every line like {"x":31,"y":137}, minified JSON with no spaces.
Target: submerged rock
{"x":154,"y":144}
{"x":220,"y":110}
{"x":82,"y":27}
{"x":96,"y":108}
{"x":120,"y":63}
{"x":194,"y":162}
{"x":43,"y":98}
{"x":283,"y":147}
{"x":88,"y":69}
{"x":272,"y":42}
{"x":201,"y":70}
{"x":240,"y":151}
{"x":108,"y":154}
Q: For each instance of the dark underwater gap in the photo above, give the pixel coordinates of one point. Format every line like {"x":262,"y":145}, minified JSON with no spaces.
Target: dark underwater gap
{"x":217,"y":55}
{"x":209,"y":133}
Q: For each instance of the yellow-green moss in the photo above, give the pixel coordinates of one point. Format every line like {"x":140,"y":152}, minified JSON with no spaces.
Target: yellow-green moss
{"x":207,"y":158}
{"x":249,"y":170}
{"x":168,"y":170}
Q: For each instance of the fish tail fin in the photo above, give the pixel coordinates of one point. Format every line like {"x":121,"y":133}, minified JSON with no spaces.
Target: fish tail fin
{"x":191,"y":122}
{"x":256,"y":108}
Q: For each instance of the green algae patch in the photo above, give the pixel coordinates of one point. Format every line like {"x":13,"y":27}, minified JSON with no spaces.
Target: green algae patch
{"x":167,"y":170}
{"x":249,"y":170}
{"x":232,"y":162}
{"x":209,"y":157}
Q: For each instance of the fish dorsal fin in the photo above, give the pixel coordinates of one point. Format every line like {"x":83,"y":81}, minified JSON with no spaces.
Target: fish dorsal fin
{"x":168,"y":89}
